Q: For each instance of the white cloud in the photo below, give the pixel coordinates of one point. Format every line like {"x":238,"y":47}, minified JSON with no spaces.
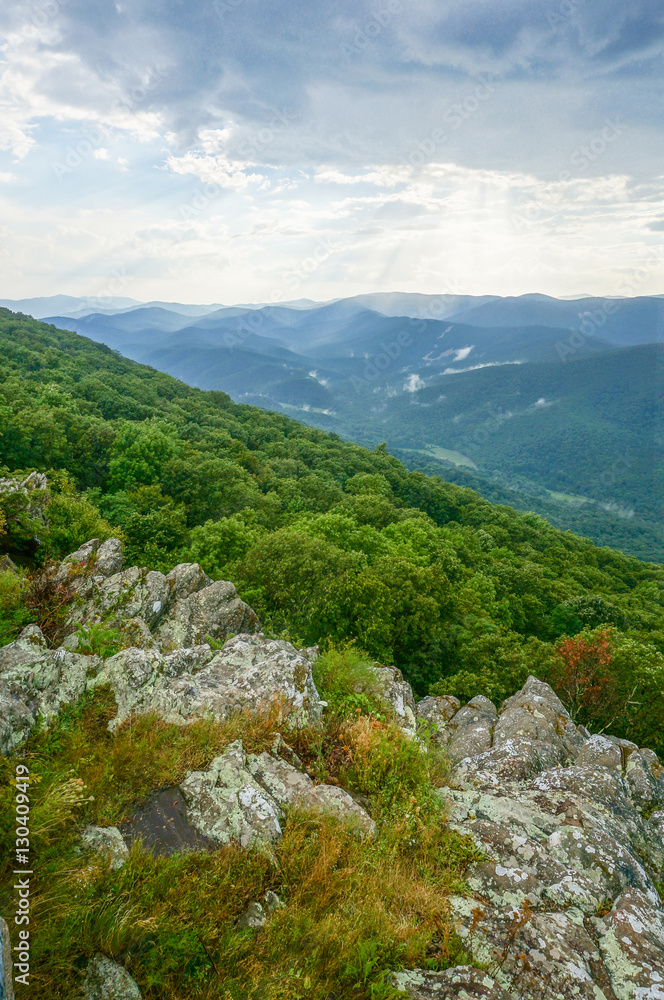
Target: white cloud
{"x":215,"y":170}
{"x":413,"y":383}
{"x":474,"y":368}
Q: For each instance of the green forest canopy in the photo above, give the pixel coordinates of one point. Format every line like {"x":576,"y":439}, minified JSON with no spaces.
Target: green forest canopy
{"x":329,"y":542}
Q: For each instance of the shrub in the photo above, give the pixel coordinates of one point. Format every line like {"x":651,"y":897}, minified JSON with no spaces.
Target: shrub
{"x":13,"y":611}
{"x":345,"y":680}
{"x":98,"y":640}
{"x":71,"y":520}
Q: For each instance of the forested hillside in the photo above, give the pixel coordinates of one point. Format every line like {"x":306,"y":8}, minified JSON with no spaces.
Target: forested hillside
{"x":329,"y":542}
{"x":562,"y":416}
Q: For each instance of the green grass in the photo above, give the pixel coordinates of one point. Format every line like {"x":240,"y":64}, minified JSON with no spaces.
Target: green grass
{"x":355,"y":909}
{"x":13,"y":612}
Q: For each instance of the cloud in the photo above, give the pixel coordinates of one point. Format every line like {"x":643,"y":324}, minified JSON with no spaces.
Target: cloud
{"x":413,"y":383}
{"x":454,"y":147}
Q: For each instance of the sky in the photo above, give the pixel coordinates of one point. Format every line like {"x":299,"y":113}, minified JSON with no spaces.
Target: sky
{"x":269,"y":150}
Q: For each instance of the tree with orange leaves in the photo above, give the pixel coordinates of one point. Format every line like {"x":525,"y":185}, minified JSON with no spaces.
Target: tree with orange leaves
{"x":586,"y":681}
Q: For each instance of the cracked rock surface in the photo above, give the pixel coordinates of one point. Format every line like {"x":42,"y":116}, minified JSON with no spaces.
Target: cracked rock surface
{"x":566,"y":903}
{"x":242,"y":797}
{"x":166,"y":664}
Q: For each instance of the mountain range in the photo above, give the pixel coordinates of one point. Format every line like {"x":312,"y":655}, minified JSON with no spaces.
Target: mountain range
{"x":554,"y":402}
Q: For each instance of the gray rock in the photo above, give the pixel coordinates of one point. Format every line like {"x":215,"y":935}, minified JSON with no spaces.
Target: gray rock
{"x":109,"y":560}
{"x":82,"y":555}
{"x":186,"y":579}
{"x":600,"y":752}
{"x":106,"y":980}
{"x":214,"y":611}
{"x":162,"y":827}
{"x":271,"y":903}
{"x":337,"y":802}
{"x":106,"y":840}
{"x":250,"y":672}
{"x":437,"y":711}
{"x":632,"y":947}
{"x":399,"y":695}
{"x":243,"y":797}
{"x":227,"y":802}
{"x":253,"y":918}
{"x":6,"y":962}
{"x":560,"y":816}
{"x":460,"y":983}
{"x":37,"y":681}
{"x":537,"y":713}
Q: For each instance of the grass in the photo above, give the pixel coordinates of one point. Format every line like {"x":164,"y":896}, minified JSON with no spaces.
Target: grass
{"x":13,"y":613}
{"x":355,"y":909}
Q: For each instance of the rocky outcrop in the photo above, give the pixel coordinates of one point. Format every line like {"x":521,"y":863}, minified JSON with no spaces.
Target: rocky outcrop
{"x":180,"y":609}
{"x":167,"y":665}
{"x":240,"y":798}
{"x":249,"y":672}
{"x":398,"y":693}
{"x":37,"y":681}
{"x":571,"y":825}
{"x":106,"y":980}
{"x":256,"y":915}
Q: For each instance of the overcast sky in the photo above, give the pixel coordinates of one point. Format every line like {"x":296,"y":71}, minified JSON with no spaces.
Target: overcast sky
{"x":248,"y":150}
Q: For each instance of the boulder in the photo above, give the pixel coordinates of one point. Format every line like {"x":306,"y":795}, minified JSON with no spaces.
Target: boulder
{"x":570,"y":827}
{"x":256,"y":915}
{"x":215,"y":611}
{"x":631,"y":940}
{"x":398,"y":693}
{"x":6,"y":963}
{"x":249,"y":672}
{"x":106,"y":980}
{"x":436,"y":712}
{"x":162,"y":826}
{"x":106,"y":840}
{"x":35,"y":680}
{"x":464,"y":982}
{"x":242,"y":797}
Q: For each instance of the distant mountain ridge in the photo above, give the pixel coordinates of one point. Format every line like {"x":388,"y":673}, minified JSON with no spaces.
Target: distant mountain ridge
{"x":538,"y":396}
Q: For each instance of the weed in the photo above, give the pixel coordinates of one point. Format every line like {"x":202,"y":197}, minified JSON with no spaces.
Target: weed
{"x":98,"y":640}
{"x":49,"y":603}
{"x":13,"y":613}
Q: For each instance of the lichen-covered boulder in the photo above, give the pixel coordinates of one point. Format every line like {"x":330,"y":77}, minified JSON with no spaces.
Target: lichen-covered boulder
{"x":398,"y":693}
{"x":460,"y":983}
{"x":471,"y":729}
{"x":178,"y":609}
{"x":249,"y":672}
{"x":571,"y":826}
{"x":106,"y":980}
{"x":631,"y":940}
{"x":226,"y":802}
{"x":436,"y":712}
{"x":242,"y":797}
{"x":36,"y":681}
{"x":108,"y":841}
{"x":215,"y":611}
